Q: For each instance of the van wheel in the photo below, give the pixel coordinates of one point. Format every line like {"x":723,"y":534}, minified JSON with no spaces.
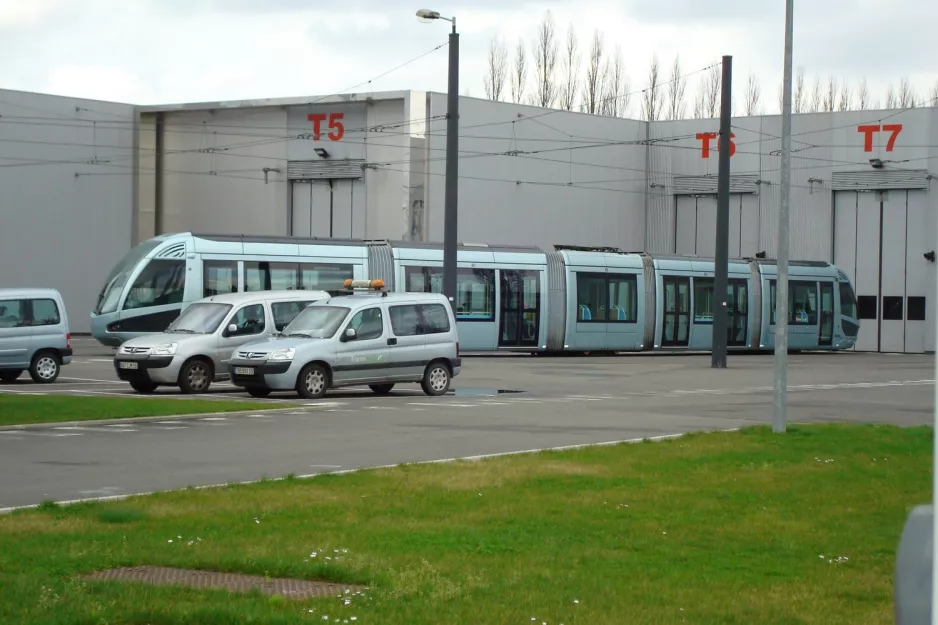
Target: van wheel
{"x":436,"y":379}
{"x":45,"y":367}
{"x":143,"y":386}
{"x":195,"y":377}
{"x":312,"y":382}
{"x":255,"y":391}
{"x":10,"y":376}
{"x":381,"y":389}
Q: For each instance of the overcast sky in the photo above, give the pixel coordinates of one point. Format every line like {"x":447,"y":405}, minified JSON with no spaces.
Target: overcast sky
{"x":161,"y":51}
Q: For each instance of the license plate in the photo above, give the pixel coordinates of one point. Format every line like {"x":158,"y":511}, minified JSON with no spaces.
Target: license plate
{"x":244,"y":370}
{"x":129,"y":365}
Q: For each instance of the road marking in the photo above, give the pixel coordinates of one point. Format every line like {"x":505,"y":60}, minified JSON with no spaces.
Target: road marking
{"x":171,"y":427}
{"x":214,"y":418}
{"x":326,"y":404}
{"x":170,"y":422}
{"x":326,"y":466}
{"x":94,"y":380}
{"x":261,"y":416}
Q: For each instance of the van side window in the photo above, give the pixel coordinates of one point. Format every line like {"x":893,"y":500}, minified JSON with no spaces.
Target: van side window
{"x":45,"y":312}
{"x":437,"y":321}
{"x":284,"y":312}
{"x":368,"y":324}
{"x":405,"y":320}
{"x":12,"y":313}
{"x":250,"y":319}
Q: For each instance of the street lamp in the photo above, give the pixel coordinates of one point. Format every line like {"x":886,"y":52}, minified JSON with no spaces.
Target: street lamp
{"x":452,"y":163}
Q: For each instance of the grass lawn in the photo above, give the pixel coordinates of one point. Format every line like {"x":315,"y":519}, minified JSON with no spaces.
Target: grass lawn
{"x":29,"y":409}
{"x":710,"y":528}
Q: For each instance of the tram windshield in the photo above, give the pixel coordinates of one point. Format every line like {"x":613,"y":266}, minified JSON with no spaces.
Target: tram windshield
{"x":202,"y":318}
{"x":848,"y":301}
{"x":316,"y":322}
{"x":110,"y":295}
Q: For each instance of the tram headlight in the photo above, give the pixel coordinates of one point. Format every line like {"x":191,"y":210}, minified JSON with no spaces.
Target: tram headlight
{"x":168,"y":349}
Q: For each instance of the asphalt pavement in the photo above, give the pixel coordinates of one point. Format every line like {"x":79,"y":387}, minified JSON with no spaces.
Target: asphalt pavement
{"x":499,"y":405}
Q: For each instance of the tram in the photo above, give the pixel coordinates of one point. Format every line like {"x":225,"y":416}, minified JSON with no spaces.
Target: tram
{"x":509,"y":298}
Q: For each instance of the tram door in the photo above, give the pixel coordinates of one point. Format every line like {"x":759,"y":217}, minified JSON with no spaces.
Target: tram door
{"x":737,"y":310}
{"x":826,"y":329}
{"x":676,"y":312}
{"x":519,"y":309}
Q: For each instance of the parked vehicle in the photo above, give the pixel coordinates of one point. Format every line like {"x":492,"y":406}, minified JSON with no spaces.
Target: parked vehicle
{"x":34,"y":334}
{"x":193,"y":351}
{"x":372,"y":337}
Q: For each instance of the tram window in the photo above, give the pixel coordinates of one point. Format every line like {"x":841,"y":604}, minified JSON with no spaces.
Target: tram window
{"x":324,"y":277}
{"x":218,"y":277}
{"x":802,"y":307}
{"x":256,"y":276}
{"x":606,"y":297}
{"x":892,"y":308}
{"x":703,"y":300}
{"x":866,"y":306}
{"x":475,"y":289}
{"x":848,"y":305}
{"x":161,"y":282}
{"x":284,"y":276}
{"x":915,"y":308}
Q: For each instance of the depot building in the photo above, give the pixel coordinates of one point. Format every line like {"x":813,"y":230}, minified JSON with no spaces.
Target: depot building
{"x":86,"y":180}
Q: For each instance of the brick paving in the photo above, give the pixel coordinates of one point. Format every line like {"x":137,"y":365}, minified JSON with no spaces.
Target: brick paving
{"x":235,"y":582}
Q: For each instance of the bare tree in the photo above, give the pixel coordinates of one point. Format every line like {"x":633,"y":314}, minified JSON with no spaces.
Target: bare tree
{"x":571,"y":71}
{"x":906,"y":94}
{"x":830,"y":96}
{"x":653,"y":100}
{"x":933,"y":95}
{"x":891,"y":100}
{"x":497,"y":70}
{"x":593,"y":81}
{"x":844,"y":102}
{"x":714,"y":81}
{"x":752,"y":95}
{"x":615,"y":101}
{"x":700,"y":100}
{"x":519,"y":74}
{"x":863,"y":96}
{"x":814,"y":105}
{"x":545,"y":62}
{"x":677,"y":86}
{"x":797,"y":96}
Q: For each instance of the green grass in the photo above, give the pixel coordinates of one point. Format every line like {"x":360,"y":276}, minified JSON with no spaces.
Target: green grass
{"x":30,"y":409}
{"x":711,"y":529}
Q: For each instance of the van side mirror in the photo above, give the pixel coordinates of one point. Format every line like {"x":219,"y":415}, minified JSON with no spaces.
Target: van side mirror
{"x":232,"y":329}
{"x":350,"y":335}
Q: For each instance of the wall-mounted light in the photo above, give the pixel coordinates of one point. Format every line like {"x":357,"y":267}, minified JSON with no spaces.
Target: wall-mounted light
{"x":930,"y":256}
{"x":321,"y":152}
{"x":876,"y":163}
{"x":760,"y":254}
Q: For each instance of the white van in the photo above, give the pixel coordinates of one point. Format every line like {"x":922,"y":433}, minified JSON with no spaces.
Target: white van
{"x":373,"y":337}
{"x":193,"y":351}
{"x":34,"y":334}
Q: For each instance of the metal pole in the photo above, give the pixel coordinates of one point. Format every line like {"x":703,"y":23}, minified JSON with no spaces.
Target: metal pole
{"x":779,"y":416}
{"x":721,"y":260}
{"x":452,"y":170}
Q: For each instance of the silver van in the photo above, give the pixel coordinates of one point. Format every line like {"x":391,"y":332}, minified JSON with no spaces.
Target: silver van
{"x":378,"y":339}
{"x":34,"y":334}
{"x":192,"y":352}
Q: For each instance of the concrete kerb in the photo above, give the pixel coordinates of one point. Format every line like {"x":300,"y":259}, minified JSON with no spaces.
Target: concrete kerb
{"x":93,"y":422}
{"x":627,"y":441}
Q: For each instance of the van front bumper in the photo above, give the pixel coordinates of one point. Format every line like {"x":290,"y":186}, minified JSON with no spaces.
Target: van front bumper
{"x":157,"y":369}
{"x":262,"y":374}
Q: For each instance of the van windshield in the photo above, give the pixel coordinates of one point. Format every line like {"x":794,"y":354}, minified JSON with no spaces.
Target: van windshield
{"x":202,"y":318}
{"x":317,"y":322}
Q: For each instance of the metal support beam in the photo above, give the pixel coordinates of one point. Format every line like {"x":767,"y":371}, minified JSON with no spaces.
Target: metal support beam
{"x":721,"y":259}
{"x":452,"y":171}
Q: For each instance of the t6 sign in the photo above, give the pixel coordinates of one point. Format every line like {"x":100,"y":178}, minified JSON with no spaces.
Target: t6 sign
{"x":706,"y":137}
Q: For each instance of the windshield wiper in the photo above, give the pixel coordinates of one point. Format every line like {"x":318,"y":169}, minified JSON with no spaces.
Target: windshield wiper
{"x":301,"y":335}
{"x":183,"y":331}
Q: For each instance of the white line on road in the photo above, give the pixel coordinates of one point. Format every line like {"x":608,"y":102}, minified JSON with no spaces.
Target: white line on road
{"x":213,"y":419}
{"x":93,"y":380}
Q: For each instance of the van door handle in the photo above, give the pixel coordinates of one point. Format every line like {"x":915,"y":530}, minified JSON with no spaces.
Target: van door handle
{"x":392,"y":341}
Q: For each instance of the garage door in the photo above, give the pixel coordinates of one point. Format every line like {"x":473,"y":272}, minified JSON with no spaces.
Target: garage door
{"x":696,"y":225}
{"x":880,"y":242}
{"x":322,"y":208}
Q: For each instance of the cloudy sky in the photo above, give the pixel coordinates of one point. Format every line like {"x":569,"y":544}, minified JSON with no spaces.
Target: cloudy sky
{"x":161,"y":51}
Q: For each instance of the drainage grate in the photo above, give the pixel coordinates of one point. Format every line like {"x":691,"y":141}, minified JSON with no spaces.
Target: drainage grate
{"x":235,"y":582}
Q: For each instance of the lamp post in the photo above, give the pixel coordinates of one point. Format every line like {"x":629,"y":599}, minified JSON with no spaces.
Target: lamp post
{"x":452,"y":163}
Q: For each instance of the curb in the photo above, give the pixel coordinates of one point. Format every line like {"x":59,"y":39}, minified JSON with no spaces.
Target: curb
{"x":92,"y":422}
